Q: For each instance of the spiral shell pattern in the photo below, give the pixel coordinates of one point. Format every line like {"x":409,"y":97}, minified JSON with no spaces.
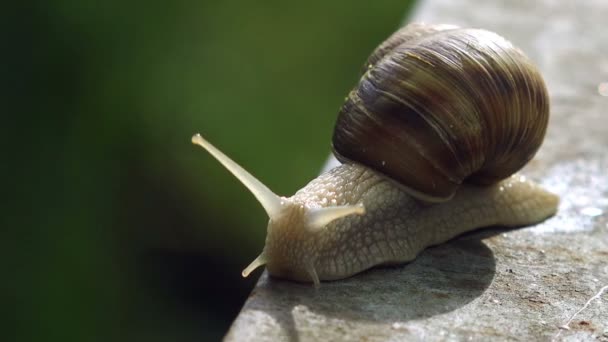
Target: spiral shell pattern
{"x":440,"y":105}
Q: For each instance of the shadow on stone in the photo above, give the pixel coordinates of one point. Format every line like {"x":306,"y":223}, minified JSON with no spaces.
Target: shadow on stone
{"x":441,"y":279}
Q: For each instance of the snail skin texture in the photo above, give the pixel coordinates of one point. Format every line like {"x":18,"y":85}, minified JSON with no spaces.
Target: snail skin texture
{"x":430,"y":139}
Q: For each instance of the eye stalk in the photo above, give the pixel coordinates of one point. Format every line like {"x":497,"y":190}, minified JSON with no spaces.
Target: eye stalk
{"x":319,"y":218}
{"x":276,"y":206}
{"x":267,"y":198}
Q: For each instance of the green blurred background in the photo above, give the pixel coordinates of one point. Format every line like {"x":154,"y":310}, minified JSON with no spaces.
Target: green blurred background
{"x":116,"y":226}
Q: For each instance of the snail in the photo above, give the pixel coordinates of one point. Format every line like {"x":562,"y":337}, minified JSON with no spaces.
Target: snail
{"x":430,"y":140}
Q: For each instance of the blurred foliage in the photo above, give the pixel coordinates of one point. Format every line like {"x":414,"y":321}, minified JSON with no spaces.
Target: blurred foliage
{"x":116,"y":227}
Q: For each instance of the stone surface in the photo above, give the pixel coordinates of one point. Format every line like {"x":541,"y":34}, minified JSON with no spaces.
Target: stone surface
{"x":546,"y":282}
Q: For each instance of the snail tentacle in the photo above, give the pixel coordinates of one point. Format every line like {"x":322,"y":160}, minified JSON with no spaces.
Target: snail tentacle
{"x":267,"y":198}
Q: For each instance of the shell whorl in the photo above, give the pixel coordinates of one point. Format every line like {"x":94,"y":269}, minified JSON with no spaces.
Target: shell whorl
{"x":439,"y":105}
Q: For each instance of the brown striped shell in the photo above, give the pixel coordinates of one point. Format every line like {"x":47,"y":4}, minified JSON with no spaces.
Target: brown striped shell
{"x":440,"y":105}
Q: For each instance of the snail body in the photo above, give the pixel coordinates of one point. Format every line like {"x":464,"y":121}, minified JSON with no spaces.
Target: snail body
{"x":441,"y":114}
{"x":395,"y":227}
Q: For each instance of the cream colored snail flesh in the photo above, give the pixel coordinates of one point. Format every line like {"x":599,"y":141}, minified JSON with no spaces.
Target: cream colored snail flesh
{"x":431,"y":139}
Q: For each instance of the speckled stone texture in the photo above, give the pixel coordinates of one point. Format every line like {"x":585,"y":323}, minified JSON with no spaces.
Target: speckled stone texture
{"x":542,"y":282}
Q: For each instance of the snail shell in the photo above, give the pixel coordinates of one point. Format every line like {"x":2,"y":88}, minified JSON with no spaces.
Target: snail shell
{"x":439,"y":106}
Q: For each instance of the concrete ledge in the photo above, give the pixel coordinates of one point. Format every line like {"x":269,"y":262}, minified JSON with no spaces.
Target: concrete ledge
{"x":546,"y":282}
